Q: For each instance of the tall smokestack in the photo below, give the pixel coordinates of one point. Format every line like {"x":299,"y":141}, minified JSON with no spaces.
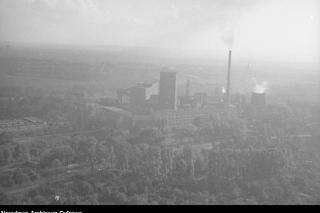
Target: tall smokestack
{"x":228,"y":78}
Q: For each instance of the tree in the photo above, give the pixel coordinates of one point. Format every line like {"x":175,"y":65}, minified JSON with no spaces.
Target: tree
{"x":101,"y":152}
{"x":181,"y":134}
{"x":155,"y":159}
{"x":56,"y":163}
{"x":122,"y":150}
{"x":188,"y":157}
{"x":181,"y":166}
{"x":82,"y":188}
{"x":85,"y":147}
{"x":148,"y":136}
{"x":4,"y":198}
{"x":63,"y":153}
{"x":40,"y":200}
{"x":19,"y":177}
{"x":138,"y":200}
{"x":6,"y":180}
{"x":5,"y":154}
{"x":5,"y":138}
{"x":92,"y":151}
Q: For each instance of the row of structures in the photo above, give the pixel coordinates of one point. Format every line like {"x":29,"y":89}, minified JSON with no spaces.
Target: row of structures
{"x":185,"y":117}
{"x":157,"y":105}
{"x":143,"y":97}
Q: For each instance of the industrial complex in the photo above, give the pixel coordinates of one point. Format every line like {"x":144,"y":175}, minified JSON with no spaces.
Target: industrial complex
{"x":158,"y":105}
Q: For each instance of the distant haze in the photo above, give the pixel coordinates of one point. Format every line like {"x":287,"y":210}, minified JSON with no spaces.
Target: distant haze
{"x":283,"y":30}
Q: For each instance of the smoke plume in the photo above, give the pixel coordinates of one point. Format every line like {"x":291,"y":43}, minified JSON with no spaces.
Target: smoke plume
{"x":227,"y":38}
{"x":230,"y":13}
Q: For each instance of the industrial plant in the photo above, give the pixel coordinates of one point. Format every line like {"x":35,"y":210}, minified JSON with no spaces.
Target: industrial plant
{"x":158,"y":104}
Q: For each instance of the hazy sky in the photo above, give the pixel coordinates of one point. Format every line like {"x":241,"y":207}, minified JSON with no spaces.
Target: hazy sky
{"x":269,"y":29}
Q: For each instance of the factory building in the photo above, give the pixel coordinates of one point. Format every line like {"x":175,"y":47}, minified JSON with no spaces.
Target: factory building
{"x":258,"y":99}
{"x":135,"y":98}
{"x":169,"y":119}
{"x":167,"y":90}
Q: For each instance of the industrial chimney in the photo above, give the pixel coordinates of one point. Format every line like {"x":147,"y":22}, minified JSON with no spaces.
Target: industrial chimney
{"x":228,"y":78}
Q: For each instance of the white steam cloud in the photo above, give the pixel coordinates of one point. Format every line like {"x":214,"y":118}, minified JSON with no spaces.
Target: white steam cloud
{"x":223,"y":90}
{"x":230,"y":16}
{"x":261,"y":87}
{"x":227,"y":38}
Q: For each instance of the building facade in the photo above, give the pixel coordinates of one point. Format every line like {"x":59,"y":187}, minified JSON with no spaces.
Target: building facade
{"x":167,"y":90}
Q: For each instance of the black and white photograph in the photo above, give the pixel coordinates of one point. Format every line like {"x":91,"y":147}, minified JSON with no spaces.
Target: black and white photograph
{"x":159,"y":102}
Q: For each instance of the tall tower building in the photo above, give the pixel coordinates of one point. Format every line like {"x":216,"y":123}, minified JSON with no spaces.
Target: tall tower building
{"x":167,"y":90}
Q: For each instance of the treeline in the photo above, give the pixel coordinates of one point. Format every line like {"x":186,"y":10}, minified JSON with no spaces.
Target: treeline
{"x":124,"y":171}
